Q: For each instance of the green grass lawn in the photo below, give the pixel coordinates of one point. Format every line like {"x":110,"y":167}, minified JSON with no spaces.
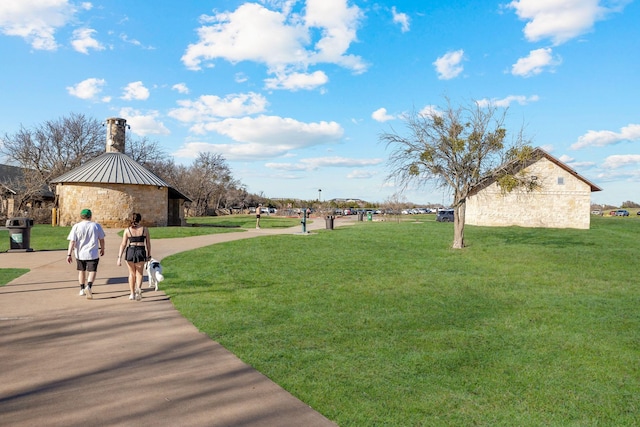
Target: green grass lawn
{"x":46,"y":237}
{"x":384,"y":324}
{"x":381,"y":323}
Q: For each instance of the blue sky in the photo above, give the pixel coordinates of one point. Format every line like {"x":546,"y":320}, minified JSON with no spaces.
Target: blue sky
{"x":294,"y":94}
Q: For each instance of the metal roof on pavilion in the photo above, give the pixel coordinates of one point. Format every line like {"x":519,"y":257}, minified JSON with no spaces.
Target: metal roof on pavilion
{"x":115,"y":168}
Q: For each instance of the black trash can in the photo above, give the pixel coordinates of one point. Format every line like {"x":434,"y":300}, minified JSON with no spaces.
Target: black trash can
{"x":20,"y":234}
{"x":360,"y":216}
{"x":329,"y":222}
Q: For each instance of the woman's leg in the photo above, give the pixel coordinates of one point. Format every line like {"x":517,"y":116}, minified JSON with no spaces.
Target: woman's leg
{"x":132,"y":277}
{"x":139,"y":274}
{"x":137,"y":295}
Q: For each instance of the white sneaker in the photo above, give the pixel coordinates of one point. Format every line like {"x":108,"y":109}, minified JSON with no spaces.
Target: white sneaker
{"x":131,"y":297}
{"x":81,"y":292}
{"x":138,"y":294}
{"x":87,"y":290}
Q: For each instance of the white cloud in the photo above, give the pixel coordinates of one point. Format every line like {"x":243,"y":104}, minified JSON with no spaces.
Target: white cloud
{"x":581,"y":165}
{"x":400,"y":18}
{"x":602,"y":138}
{"x":36,"y":21}
{"x":430,"y":111}
{"x":535,"y":63}
{"x":211,"y":107}
{"x":263,"y":137}
{"x":180,"y":88}
{"x":135,"y":91}
{"x":144,"y":124}
{"x":548,"y":148}
{"x":83,"y":40}
{"x":561,"y":20}
{"x":448,"y":65}
{"x":380,"y":115}
{"x":282,"y":40}
{"x":323,"y":162}
{"x":360,"y":174}
{"x":621,"y":160}
{"x":295,"y":81}
{"x":125,"y":38}
{"x":240,"y":77}
{"x":231,"y":152}
{"x":572,"y":163}
{"x":87,"y":89}
{"x":250,"y":33}
{"x":506,"y":102}
{"x":274,"y":130}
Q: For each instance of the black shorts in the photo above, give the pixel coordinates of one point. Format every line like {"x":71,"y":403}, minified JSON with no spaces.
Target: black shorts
{"x":136,"y":254}
{"x":87,"y":264}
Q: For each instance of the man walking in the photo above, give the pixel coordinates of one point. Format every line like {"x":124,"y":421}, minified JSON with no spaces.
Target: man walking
{"x":258,"y":212}
{"x":86,"y":239}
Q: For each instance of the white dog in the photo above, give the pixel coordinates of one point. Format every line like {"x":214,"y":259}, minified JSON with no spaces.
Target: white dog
{"x":154,"y":273}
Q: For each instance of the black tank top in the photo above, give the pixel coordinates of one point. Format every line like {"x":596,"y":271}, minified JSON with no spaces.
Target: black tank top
{"x":136,"y":239}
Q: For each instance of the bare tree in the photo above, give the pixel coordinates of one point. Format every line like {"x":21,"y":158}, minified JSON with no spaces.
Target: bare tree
{"x":393,"y":205}
{"x":49,"y":150}
{"x":145,"y":151}
{"x":455,"y":148}
{"x":55,"y":146}
{"x":206,"y":182}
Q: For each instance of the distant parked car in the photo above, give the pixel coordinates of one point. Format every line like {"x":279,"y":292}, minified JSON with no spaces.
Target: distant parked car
{"x":622,"y":212}
{"x":445,"y":215}
{"x":596,"y":212}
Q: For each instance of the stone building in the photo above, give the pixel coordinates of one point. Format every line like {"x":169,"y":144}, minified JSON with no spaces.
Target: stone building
{"x":562,"y":199}
{"x":114,"y":186}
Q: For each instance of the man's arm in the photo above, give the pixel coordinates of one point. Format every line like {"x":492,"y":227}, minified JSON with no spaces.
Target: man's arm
{"x":72,"y":245}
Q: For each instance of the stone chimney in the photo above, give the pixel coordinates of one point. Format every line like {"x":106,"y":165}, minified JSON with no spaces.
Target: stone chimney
{"x":115,"y":134}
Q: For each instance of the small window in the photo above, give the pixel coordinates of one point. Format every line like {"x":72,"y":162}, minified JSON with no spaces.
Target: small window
{"x":560,"y":180}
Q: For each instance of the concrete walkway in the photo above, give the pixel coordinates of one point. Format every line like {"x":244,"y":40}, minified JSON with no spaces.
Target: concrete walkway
{"x":69,"y":361}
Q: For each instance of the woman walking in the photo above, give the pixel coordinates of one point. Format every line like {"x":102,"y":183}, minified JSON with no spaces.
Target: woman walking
{"x":136,"y":248}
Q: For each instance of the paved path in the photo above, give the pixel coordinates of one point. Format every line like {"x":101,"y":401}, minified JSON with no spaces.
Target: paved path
{"x":69,"y":361}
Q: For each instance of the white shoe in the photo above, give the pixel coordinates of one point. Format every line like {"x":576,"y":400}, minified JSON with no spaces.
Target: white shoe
{"x":87,"y":290}
{"x":81,"y":292}
{"x":138,"y":294}
{"x":131,"y":297}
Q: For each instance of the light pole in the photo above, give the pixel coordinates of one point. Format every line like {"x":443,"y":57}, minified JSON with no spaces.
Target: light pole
{"x":319,"y":193}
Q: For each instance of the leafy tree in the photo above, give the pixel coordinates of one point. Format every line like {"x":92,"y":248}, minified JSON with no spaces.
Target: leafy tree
{"x":456,"y":148}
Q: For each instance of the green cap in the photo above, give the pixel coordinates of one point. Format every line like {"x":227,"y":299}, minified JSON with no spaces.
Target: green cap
{"x":86,"y":212}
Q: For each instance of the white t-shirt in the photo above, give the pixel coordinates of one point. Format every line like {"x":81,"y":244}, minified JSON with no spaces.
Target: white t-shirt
{"x":86,"y":235}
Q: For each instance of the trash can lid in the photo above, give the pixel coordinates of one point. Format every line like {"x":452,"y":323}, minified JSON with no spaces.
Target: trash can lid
{"x":19,"y":222}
